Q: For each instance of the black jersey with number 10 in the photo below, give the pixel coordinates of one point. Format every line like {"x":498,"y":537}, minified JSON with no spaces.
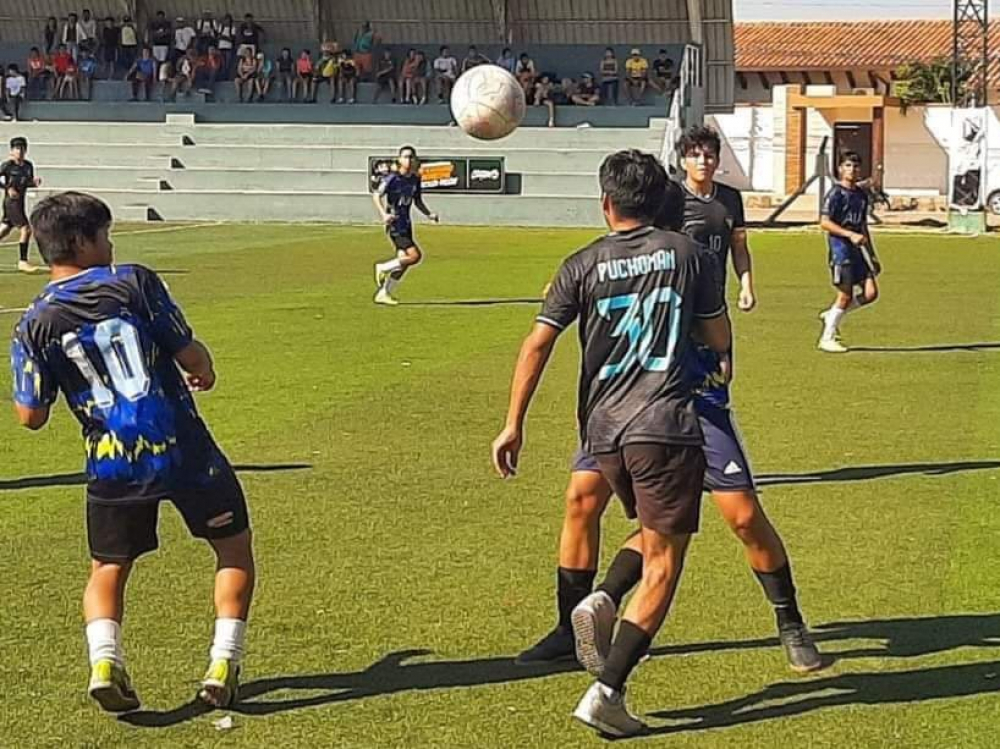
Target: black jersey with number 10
{"x":711,"y":221}
{"x":636,"y":295}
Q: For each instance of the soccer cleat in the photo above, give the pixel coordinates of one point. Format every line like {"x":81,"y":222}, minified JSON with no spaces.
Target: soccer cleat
{"x":381,"y":276}
{"x":593,"y":624}
{"x":111,"y":688}
{"x":801,"y":651}
{"x":604,"y":710}
{"x":26,"y":267}
{"x":384,"y":297}
{"x":832,"y":345}
{"x":557,"y":645}
{"x":220,"y":686}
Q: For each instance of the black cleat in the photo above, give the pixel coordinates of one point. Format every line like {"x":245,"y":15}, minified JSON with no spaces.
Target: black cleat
{"x":556,"y":646}
{"x":800,"y":649}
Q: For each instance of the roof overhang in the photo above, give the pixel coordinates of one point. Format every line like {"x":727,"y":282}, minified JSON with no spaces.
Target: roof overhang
{"x":841,"y":101}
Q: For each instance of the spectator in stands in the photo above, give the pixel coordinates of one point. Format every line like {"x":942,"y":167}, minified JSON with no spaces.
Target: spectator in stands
{"x":68,"y":86}
{"x":445,"y":74}
{"x":159,"y":36}
{"x":51,"y":32}
{"x":184,"y":35}
{"x":182,"y":80}
{"x":326,"y":70}
{"x":303,"y":76}
{"x":128,"y":43}
{"x":87,"y":31}
{"x":364,"y":47}
{"x":348,"y":80}
{"x":662,"y":78}
{"x":545,"y":95}
{"x":420,"y":78}
{"x":165,"y":74}
{"x":206,"y":32}
{"x":408,"y":76}
{"x":61,"y":61}
{"x":265,"y":76}
{"x":248,"y":35}
{"x":636,"y":76}
{"x":526,"y":75}
{"x":110,"y":37}
{"x":208,"y":70}
{"x":14,"y":89}
{"x":71,"y":35}
{"x":246,"y":75}
{"x":507,"y":61}
{"x":285,"y":67}
{"x":38,"y":75}
{"x":226,"y":45}
{"x":86,"y":71}
{"x":143,"y":74}
{"x":609,"y":77}
{"x":586,"y":94}
{"x":386,"y":77}
{"x":473,"y":59}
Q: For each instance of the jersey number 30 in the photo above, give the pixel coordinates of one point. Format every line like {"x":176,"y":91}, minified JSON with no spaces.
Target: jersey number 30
{"x":118,"y":343}
{"x":639,"y":323}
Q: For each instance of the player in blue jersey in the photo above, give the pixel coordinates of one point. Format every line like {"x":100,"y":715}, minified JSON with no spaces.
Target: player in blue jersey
{"x":111,"y":339}
{"x":397,"y":193}
{"x":853,"y":263}
{"x":712,"y":214}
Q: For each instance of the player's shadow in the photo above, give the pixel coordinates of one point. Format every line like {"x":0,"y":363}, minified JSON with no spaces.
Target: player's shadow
{"x":788,"y":699}
{"x":940,"y":348}
{"x":79,"y":479}
{"x":402,"y":671}
{"x":868,"y":473}
{"x":472,"y":302}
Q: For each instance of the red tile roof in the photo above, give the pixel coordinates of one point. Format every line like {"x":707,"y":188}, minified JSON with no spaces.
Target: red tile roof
{"x":864,"y":45}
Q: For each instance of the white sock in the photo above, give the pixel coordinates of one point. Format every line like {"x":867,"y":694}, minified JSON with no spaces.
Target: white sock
{"x":389,"y":266}
{"x":391,"y":283}
{"x":832,"y":321}
{"x":104,"y":640}
{"x":228,"y":642}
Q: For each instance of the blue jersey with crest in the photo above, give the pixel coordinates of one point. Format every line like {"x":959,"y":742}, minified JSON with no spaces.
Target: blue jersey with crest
{"x":107,"y":338}
{"x":848,"y":208}
{"x":400,"y":192}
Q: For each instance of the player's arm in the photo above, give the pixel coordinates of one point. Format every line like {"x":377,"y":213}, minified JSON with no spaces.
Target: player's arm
{"x":33,"y":418}
{"x":531,"y":361}
{"x":418,"y":201}
{"x":743,"y":267}
{"x":196,"y":361}
{"x":381,"y":199}
{"x":827,"y":224}
{"x":34,"y":386}
{"x":711,"y":318}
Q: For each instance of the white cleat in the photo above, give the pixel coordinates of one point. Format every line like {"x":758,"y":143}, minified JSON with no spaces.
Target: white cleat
{"x":604,"y":710}
{"x":26,"y":267}
{"x":593,"y":622}
{"x":383,"y":297}
{"x":832,"y":346}
{"x":380,"y":276}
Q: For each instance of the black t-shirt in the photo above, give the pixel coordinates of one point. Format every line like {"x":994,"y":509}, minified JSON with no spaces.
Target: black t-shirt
{"x":110,"y":36}
{"x":636,"y":295}
{"x":348,"y":69}
{"x":17,"y":177}
{"x":662,"y":68}
{"x":286,"y":66}
{"x":107,"y":338}
{"x":710,"y":221}
{"x":586,"y":89}
{"x":161,"y":32}
{"x":248,"y":33}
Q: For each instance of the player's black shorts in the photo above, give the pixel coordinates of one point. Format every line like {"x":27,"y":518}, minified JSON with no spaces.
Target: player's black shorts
{"x":853,"y":269}
{"x":14,"y":212}
{"x":121,"y":531}
{"x":659,"y":484}
{"x":401,"y":240}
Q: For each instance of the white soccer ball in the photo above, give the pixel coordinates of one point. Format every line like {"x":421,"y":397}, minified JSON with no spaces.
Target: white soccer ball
{"x":488,"y":102}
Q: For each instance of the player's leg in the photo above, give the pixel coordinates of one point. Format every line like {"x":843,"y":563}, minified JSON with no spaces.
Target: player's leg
{"x":663,"y":483}
{"x":587,"y":497}
{"x":23,"y":245}
{"x":391,"y":272}
{"x":843,"y":283}
{"x":117,"y":535}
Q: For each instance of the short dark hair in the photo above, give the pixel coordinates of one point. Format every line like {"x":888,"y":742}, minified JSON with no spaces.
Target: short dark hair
{"x":443,"y":49}
{"x":699,"y":137}
{"x":671,"y":215}
{"x":409,"y":148}
{"x":60,"y":221}
{"x":846,"y":156}
{"x":18,"y":142}
{"x":635,"y":182}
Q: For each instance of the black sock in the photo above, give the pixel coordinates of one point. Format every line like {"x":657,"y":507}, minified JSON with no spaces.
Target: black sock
{"x":572,"y":587}
{"x":624,"y":574}
{"x":780,"y":591}
{"x":23,"y":247}
{"x":631,"y":643}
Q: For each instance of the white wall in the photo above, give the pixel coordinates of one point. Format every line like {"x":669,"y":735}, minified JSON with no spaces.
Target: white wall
{"x":747,"y":156}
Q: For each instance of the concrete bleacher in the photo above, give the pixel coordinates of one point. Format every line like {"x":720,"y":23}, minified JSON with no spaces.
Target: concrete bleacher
{"x":186,"y":170}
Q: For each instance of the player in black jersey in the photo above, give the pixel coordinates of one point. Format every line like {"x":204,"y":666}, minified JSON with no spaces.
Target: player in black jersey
{"x":113,"y":341}
{"x":639,"y":293}
{"x":17,"y":176}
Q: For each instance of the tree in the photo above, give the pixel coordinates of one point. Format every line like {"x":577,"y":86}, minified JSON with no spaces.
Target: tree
{"x":928,"y":82}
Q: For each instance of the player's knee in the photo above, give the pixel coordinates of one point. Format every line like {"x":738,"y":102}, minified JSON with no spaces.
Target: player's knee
{"x":871,"y":294}
{"x":582,"y":507}
{"x":109,"y":572}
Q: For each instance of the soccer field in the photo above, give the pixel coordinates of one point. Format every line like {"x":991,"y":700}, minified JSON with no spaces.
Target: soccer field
{"x":399,"y":577}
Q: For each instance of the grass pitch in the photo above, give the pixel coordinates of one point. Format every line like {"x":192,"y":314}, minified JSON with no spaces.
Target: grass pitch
{"x":398,"y":577}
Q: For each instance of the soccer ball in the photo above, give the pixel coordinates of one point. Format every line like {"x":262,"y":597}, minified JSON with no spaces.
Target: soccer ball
{"x":488,"y":102}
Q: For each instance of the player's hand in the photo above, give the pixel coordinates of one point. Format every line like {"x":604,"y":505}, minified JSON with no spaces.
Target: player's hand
{"x":434,"y":217}
{"x":747,"y":300}
{"x":857,"y":239}
{"x":726,"y":368}
{"x":506,"y":450}
{"x":388,"y":218}
{"x":38,"y":181}
{"x":201,"y":383}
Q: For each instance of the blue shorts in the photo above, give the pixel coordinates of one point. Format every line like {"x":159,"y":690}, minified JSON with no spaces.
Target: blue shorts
{"x":849,"y":265}
{"x":727,"y":467}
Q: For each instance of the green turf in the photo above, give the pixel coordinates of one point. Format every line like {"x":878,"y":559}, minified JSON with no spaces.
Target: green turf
{"x":398,"y":576}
